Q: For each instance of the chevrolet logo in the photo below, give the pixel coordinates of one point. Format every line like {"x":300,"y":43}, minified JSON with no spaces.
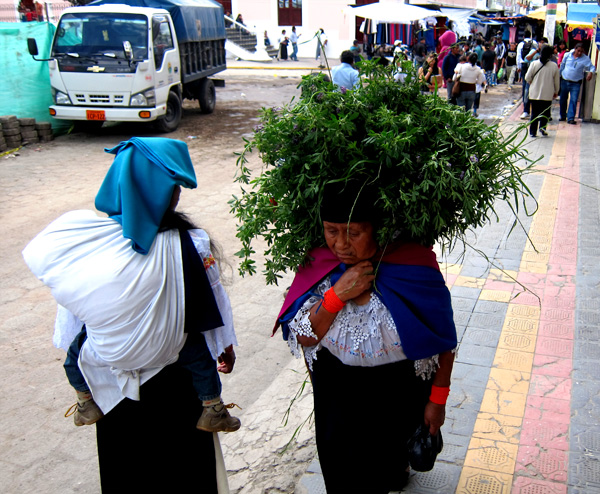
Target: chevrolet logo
{"x":95,"y":68}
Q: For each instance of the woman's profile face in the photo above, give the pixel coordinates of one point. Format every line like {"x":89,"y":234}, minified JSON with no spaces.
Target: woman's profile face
{"x":350,"y":242}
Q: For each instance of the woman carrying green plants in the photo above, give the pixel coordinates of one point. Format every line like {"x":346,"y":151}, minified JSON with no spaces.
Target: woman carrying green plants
{"x":356,"y":188}
{"x":375,"y":326}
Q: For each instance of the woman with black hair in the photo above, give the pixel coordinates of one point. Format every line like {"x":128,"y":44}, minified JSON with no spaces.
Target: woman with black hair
{"x":468,"y":75}
{"x":144,"y":285}
{"x":543,"y":77}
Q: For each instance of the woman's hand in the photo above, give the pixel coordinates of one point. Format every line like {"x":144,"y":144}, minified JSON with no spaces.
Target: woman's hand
{"x":355,"y":281}
{"x":226,"y":360}
{"x":434,"y":417}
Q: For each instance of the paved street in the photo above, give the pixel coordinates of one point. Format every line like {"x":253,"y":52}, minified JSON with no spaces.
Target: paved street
{"x":524,"y":407}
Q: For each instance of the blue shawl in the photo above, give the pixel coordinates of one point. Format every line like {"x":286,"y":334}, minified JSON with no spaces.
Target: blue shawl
{"x":415,"y":294}
{"x":138,"y":187}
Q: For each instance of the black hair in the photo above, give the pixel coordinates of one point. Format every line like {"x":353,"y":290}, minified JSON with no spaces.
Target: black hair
{"x":473,"y":59}
{"x":546,"y":54}
{"x":174,"y":220}
{"x":347,"y":57}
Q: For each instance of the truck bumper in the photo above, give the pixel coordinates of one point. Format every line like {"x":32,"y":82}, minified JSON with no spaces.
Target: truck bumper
{"x":110,"y":114}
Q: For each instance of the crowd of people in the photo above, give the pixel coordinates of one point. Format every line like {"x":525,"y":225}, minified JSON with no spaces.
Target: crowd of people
{"x":466,"y":68}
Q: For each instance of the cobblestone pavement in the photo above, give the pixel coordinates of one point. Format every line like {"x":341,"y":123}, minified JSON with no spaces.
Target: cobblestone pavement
{"x":523,"y":412}
{"x":524,"y":406}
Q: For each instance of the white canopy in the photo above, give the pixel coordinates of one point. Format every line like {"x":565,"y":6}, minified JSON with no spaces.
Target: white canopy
{"x":392,"y":12}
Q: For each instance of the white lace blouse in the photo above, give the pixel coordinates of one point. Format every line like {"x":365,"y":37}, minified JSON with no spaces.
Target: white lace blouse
{"x":360,"y":335}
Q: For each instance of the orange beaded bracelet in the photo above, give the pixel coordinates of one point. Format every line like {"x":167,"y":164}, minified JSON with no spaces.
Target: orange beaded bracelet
{"x":439,"y":394}
{"x":331,"y":302}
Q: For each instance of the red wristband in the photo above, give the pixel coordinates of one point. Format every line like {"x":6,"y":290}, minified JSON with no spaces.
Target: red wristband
{"x":439,"y":395}
{"x":331,"y":302}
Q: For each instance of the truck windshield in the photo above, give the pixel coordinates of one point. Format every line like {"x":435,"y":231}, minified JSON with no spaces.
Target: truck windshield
{"x":97,"y":34}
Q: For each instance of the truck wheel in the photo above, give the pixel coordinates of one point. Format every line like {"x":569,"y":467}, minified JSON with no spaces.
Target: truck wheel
{"x":170,"y":121}
{"x":207,"y":96}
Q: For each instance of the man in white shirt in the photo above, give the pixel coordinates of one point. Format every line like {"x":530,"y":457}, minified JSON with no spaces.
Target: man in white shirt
{"x":523,"y":49}
{"x":321,"y":40}
{"x":294,"y":40}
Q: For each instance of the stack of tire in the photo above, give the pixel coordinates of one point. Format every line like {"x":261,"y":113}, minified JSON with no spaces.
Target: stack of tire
{"x":16,"y":132}
{"x":11,"y":132}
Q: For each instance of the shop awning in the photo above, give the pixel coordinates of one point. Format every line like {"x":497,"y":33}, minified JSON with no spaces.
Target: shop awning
{"x":561,"y":13}
{"x":392,"y":12}
{"x":582,"y":14}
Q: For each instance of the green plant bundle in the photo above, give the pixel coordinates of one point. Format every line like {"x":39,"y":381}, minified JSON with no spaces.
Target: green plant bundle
{"x":438,"y":170}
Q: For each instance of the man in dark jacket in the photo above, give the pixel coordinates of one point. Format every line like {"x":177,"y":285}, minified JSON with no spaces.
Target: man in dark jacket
{"x":450,"y":63}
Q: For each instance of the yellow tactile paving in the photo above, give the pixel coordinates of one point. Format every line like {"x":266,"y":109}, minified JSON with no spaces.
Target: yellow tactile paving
{"x":509,"y":380}
{"x":533,"y":267}
{"x":517,"y":341}
{"x":470,"y":281}
{"x":490,"y":460}
{"x":525,"y":325}
{"x":503,"y":403}
{"x":495,"y":456}
{"x":478,"y":481}
{"x":502,"y":275}
{"x":513,"y":360}
{"x":495,"y":295}
{"x":496,"y":427}
{"x":523,"y":311}
{"x":450,"y":268}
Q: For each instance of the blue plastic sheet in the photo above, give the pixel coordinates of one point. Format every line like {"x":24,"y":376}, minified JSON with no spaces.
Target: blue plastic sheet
{"x":25,"y":90}
{"x":194,"y":20}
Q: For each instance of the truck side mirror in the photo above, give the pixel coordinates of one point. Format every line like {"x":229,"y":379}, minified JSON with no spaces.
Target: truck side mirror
{"x":128,"y":50}
{"x":32,"y":47}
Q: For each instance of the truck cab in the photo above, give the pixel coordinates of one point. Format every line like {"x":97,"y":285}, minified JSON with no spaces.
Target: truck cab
{"x":125,"y":63}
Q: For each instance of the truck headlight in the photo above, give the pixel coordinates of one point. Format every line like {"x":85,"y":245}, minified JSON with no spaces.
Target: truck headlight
{"x":62,"y":98}
{"x":145,"y":98}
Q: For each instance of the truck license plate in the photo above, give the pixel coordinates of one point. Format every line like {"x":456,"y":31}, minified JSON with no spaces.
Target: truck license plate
{"x":95,"y":115}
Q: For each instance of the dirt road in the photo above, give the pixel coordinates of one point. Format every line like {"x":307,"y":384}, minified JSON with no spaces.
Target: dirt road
{"x":40,"y":451}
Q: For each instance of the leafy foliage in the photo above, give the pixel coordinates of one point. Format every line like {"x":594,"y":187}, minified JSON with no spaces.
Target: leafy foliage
{"x":438,"y":169}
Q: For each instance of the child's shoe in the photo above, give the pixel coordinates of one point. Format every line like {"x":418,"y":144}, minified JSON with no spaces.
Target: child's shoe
{"x":216,"y":418}
{"x":85,"y":411}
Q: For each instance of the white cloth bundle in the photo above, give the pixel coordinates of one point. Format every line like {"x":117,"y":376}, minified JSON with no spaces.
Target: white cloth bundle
{"x":132,"y":304}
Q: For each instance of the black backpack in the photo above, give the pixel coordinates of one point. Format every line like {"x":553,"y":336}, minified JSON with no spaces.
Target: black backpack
{"x":527,"y":45}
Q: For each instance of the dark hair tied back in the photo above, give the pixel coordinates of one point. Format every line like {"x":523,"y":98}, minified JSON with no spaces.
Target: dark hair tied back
{"x":547,"y":52}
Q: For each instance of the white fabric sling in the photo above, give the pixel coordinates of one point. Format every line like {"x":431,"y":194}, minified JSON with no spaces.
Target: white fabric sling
{"x":132,"y":304}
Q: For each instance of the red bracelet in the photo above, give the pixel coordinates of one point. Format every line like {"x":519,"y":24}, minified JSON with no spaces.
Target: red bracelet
{"x":439,"y":394}
{"x":331,"y":302}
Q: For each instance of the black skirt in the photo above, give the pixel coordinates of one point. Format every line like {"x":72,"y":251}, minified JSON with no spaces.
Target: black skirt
{"x":364,"y":417}
{"x":152,"y":445}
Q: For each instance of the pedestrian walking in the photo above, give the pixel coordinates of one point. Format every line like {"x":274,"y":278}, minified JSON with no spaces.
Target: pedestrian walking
{"x":321,"y":47}
{"x":572,"y":69}
{"x":468,"y":75}
{"x":543,"y":78}
{"x":294,"y":40}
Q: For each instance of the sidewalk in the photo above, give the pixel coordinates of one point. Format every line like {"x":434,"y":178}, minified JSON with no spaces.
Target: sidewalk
{"x":524,"y":409}
{"x":277,"y":68}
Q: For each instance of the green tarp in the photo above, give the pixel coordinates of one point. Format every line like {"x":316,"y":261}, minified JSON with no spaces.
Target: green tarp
{"x":25,"y":83}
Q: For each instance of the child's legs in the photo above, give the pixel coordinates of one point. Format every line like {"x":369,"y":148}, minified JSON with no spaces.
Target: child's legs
{"x":74,"y":375}
{"x":476,"y":102}
{"x":195,"y":357}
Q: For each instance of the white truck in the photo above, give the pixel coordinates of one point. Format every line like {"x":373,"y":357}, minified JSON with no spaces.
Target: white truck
{"x":135,"y":62}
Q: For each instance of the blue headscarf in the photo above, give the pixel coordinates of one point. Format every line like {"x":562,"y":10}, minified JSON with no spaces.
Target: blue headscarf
{"x":138,"y":187}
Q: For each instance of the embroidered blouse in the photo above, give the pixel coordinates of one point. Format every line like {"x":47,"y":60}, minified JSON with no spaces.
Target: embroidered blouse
{"x":360,"y":335}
